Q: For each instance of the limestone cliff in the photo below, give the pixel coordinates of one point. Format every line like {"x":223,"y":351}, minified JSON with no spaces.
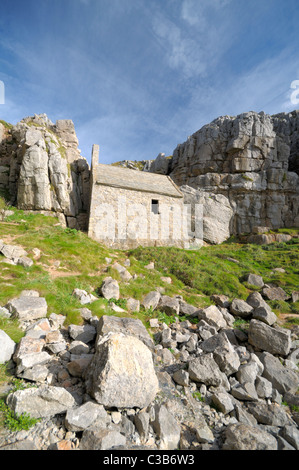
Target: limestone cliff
{"x":243,"y":169}
{"x":252,"y":160}
{"x":41,"y":169}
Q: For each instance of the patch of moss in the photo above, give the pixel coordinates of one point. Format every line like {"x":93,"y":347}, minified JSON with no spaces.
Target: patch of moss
{"x":7,"y":125}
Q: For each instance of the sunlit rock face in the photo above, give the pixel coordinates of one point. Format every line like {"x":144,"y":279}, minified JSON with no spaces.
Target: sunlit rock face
{"x":41,"y":169}
{"x":252,"y":160}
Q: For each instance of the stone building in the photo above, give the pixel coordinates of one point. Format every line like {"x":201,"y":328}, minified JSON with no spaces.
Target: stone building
{"x":130,"y":208}
{"x":241,"y":171}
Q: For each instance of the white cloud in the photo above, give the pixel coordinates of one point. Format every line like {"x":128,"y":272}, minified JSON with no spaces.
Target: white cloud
{"x":194,"y":42}
{"x":181,"y":51}
{"x":195,"y":12}
{"x":192,"y":16}
{"x":266,"y":87}
{"x":139,"y":77}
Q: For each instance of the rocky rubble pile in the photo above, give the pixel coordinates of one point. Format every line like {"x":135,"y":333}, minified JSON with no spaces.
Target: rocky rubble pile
{"x":196,"y":384}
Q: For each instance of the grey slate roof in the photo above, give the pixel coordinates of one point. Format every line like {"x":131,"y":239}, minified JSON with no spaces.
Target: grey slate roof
{"x":135,"y":180}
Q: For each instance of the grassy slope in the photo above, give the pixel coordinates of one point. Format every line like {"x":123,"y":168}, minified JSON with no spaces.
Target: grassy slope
{"x":195,"y":274}
{"x":209,"y":270}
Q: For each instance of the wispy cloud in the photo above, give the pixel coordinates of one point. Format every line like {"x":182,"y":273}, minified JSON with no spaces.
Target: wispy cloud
{"x":265,"y":87}
{"x":193,"y":42}
{"x":138,"y":77}
{"x":195,"y":12}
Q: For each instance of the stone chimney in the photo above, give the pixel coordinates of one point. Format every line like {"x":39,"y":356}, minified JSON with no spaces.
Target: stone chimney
{"x":95,"y":156}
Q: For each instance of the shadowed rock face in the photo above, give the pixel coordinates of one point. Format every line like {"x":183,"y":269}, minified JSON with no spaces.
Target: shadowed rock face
{"x":41,"y":169}
{"x":252,"y":160}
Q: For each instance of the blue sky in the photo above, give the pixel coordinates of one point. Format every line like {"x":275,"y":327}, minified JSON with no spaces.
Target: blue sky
{"x":138,"y":77}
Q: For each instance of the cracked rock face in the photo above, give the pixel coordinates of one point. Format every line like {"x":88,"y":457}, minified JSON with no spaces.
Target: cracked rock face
{"x":252,"y":161}
{"x":243,"y":170}
{"x":121,"y":373}
{"x":42,"y":169}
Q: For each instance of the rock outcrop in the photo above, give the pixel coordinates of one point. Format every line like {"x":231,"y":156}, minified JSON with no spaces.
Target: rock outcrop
{"x":41,"y":169}
{"x":244,"y":170}
{"x":251,"y":161}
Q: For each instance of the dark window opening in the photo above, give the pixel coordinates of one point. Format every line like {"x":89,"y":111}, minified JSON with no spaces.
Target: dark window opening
{"x":155,"y":206}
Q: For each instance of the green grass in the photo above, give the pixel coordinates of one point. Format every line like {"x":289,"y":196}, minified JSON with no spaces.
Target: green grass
{"x":15,"y":422}
{"x":208,"y":271}
{"x":196,"y":275}
{"x":8,"y":418}
{"x":7,"y":125}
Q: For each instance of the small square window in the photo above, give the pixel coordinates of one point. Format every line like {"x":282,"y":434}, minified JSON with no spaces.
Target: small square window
{"x":155,"y":206}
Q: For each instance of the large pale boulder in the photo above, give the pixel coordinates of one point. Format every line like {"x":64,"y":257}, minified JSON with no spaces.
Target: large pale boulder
{"x":122,"y":373}
{"x":7,"y":347}
{"x":217,"y":213}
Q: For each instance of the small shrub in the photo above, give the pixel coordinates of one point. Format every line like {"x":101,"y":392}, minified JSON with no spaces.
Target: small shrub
{"x":198,"y":396}
{"x":241,"y":324}
{"x":10,"y":419}
{"x":15,"y":422}
{"x":122,"y":303}
{"x":71,"y":231}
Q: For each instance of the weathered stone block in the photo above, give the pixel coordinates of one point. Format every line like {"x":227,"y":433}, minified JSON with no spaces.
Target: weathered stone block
{"x":267,"y":338}
{"x":28,"y":308}
{"x":121,"y":373}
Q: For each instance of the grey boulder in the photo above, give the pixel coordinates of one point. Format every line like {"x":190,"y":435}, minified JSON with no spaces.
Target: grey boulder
{"x":28,"y":308}
{"x":267,"y":338}
{"x":42,"y":402}
{"x":110,"y":289}
{"x":127,"y":326}
{"x":245,"y":437}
